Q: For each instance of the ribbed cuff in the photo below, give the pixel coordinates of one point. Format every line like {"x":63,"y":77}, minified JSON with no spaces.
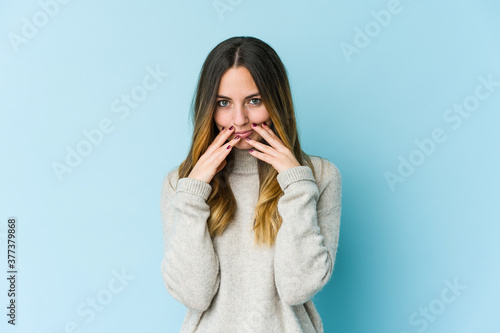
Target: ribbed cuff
{"x":194,"y":186}
{"x":294,"y":174}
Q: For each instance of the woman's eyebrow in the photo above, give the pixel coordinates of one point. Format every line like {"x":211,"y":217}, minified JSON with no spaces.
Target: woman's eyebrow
{"x":256,"y":94}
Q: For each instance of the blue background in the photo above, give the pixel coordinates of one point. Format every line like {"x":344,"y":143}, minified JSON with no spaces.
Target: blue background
{"x":400,"y":247}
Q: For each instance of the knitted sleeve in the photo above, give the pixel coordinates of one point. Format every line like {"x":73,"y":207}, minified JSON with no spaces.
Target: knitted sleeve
{"x":190,"y":266}
{"x":306,"y":244}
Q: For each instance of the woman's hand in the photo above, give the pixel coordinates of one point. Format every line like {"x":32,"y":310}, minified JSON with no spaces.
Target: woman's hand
{"x":278,"y":155}
{"x":214,"y":158}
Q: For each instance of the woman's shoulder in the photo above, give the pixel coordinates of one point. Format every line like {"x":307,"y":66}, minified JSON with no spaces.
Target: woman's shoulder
{"x":171,"y":178}
{"x":325,"y":170}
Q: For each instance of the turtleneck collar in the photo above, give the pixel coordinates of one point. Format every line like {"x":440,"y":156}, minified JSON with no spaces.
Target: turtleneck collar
{"x":244,"y":162}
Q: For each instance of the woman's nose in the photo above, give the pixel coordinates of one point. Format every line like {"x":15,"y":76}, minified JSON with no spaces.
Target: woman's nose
{"x":240,"y":115}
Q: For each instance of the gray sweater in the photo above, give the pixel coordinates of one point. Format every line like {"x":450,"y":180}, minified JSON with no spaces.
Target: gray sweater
{"x":227,"y":284}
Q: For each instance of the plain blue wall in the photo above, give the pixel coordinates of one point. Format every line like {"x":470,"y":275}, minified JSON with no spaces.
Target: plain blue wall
{"x":371,"y":82}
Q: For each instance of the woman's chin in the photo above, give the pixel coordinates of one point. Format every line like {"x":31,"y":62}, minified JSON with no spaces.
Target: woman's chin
{"x":243,"y":145}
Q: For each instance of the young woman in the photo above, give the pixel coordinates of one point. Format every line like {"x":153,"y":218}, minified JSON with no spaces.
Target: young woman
{"x":251,"y":222}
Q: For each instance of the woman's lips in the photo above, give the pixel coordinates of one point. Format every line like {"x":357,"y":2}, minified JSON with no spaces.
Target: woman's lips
{"x":244,"y":135}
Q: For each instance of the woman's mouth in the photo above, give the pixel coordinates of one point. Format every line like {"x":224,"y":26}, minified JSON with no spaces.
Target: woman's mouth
{"x":245,"y":134}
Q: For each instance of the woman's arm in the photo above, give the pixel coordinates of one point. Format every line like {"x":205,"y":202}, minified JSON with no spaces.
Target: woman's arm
{"x":306,"y":244}
{"x":190,"y":266}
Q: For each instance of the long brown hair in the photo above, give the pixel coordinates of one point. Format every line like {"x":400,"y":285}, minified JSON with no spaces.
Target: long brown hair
{"x":271,"y":79}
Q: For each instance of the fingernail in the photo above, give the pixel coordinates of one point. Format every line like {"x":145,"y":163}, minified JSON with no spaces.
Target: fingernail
{"x":254,"y":124}
{"x":230,"y":128}
{"x":222,"y":128}
{"x":250,"y":150}
{"x":248,"y":139}
{"x":264,"y":124}
{"x":228,"y":146}
{"x":237,"y":137}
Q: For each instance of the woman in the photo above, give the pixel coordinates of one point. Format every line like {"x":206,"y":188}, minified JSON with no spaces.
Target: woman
{"x":251,"y":223}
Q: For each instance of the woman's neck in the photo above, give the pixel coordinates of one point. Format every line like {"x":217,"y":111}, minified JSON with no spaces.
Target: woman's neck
{"x":244,"y":162}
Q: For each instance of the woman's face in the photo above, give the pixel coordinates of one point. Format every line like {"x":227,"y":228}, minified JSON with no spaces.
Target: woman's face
{"x":239,"y":105}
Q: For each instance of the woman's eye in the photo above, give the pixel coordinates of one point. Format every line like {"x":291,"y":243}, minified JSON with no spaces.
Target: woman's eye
{"x":258,"y":101}
{"x":221,"y":105}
